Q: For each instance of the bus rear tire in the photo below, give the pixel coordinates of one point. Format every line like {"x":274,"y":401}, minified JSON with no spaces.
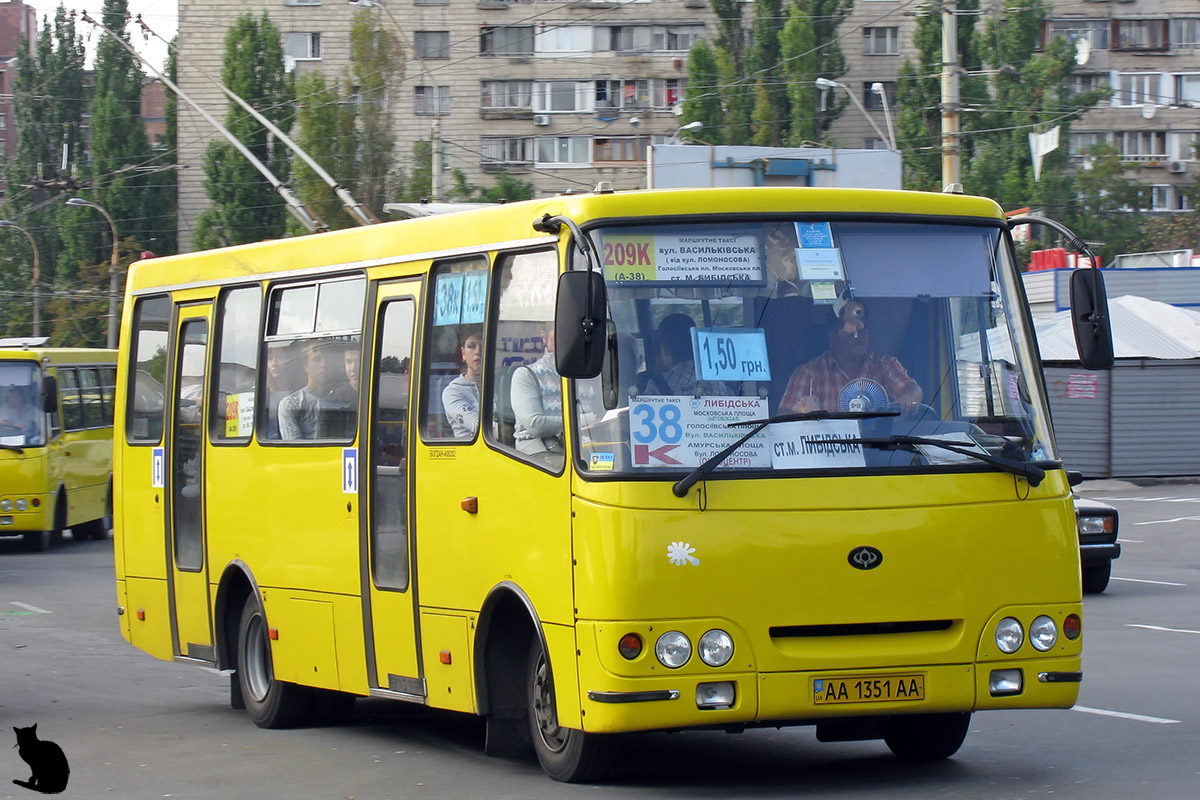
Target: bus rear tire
{"x":269,"y":703}
{"x":37,"y":541}
{"x":565,"y":754}
{"x":926,"y":737}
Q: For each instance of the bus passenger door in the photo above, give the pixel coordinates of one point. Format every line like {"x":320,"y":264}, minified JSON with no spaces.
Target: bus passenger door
{"x":191,"y":626}
{"x":389,"y":586}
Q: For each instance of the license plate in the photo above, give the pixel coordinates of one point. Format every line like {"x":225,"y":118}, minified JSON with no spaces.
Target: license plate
{"x":868,"y":689}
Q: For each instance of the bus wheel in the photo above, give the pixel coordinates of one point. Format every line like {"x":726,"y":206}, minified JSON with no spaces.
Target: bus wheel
{"x":270,"y":703}
{"x":37,"y":541}
{"x":1095,"y":579}
{"x":565,"y":754}
{"x":926,"y":737}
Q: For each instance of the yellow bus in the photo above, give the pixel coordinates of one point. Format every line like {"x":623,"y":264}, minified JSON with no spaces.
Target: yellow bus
{"x":588,"y":465}
{"x":56,"y":424}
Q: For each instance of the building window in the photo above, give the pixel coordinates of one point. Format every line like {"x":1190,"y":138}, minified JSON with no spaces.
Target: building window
{"x":1187,"y":90}
{"x":1182,"y":145}
{"x":560,"y":96}
{"x":564,"y":150}
{"x":496,"y":150}
{"x":1083,"y":142}
{"x":1160,"y":197}
{"x":881,"y":41}
{"x":1142,"y":145}
{"x":3,"y":122}
{"x":431,"y":44}
{"x":1183,"y":201}
{"x":620,"y":148}
{"x":431,"y":100}
{"x":1139,"y":34}
{"x":622,"y":38}
{"x":874,"y":143}
{"x":666,"y":92}
{"x":675,"y":37}
{"x":1094,"y":30}
{"x":515,"y":95}
{"x":1185,"y":34}
{"x":506,"y":40}
{"x":1087,"y":81}
{"x":1136,"y":89}
{"x":564,"y":39}
{"x":302,"y":46}
{"x":623,"y":94}
{"x":873,"y":102}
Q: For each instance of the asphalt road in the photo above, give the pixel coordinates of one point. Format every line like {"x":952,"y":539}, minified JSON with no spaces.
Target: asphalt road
{"x":136,"y":727}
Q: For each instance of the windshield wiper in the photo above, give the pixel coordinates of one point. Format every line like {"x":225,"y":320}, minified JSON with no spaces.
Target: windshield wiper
{"x":16,"y":448}
{"x":688,"y":481}
{"x":1022,"y":469}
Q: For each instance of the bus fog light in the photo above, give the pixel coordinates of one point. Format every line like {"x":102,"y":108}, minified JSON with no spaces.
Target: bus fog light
{"x":1009,"y":635}
{"x":1072,"y":626}
{"x":1043,"y":633}
{"x":715,"y":695}
{"x":6,"y":505}
{"x":673,"y":649}
{"x":4,"y":521}
{"x":1004,"y":682}
{"x":716,"y":648}
{"x":630,"y":646}
{"x":22,"y":504}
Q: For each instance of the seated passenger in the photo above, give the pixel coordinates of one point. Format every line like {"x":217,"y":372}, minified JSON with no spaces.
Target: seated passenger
{"x":536,"y":397}
{"x":818,"y":385}
{"x":677,"y":373}
{"x":300,"y":411}
{"x":18,"y":417}
{"x":278,"y":384}
{"x":460,"y":398}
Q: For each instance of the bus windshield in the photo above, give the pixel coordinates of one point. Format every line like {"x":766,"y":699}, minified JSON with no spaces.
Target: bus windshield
{"x":880,"y":331}
{"x":20,"y":423}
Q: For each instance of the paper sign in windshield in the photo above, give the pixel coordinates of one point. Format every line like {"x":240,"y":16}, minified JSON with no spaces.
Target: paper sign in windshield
{"x":666,"y":431}
{"x":814,"y":234}
{"x":447,"y":299}
{"x":820,"y":264}
{"x":816,"y":444}
{"x":695,"y":258}
{"x":728,"y":354}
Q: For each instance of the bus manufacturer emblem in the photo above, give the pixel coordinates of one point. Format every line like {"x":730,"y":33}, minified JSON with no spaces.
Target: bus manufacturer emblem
{"x":865,"y":557}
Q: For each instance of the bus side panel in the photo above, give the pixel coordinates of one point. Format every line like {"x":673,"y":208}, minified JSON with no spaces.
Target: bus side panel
{"x":521,"y":534}
{"x":447,"y":661}
{"x":149,"y":616}
{"x":138,"y":528}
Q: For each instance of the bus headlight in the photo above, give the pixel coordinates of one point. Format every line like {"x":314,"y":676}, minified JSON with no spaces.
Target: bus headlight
{"x":716,"y":648}
{"x":1009,"y":635}
{"x":22,"y":504}
{"x":1043,"y":633}
{"x":673,"y":649}
{"x":6,"y":505}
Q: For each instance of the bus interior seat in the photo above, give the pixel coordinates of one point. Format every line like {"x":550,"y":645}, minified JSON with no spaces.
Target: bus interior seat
{"x":506,"y":419}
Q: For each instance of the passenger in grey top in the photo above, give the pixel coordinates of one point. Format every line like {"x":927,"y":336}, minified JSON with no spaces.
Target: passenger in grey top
{"x":460,"y":398}
{"x":299,"y":412}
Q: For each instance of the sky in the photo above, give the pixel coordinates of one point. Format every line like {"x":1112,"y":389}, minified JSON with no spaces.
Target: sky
{"x":161,"y":15}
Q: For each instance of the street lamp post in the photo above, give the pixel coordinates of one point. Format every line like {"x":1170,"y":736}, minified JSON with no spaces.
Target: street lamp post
{"x":879,"y":89}
{"x":112,"y":269}
{"x":825,"y":83}
{"x":694,"y":125}
{"x":37,"y":300}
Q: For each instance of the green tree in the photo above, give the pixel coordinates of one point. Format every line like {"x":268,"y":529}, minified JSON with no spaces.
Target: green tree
{"x":507,"y":188}
{"x":702,"y":97}
{"x":325,"y":130}
{"x":245,"y":207}
{"x":377,"y":63}
{"x":798,"y":50}
{"x":1107,"y":207}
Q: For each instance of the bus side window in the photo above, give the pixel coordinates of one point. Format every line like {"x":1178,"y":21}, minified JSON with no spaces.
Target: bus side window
{"x":453,"y":368}
{"x":231,"y":414}
{"x":72,"y":405}
{"x":93,"y":406}
{"x":147,"y":370}
{"x":108,"y":384}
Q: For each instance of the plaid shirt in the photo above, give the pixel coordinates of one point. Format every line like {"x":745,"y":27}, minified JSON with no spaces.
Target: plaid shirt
{"x":823,"y":378}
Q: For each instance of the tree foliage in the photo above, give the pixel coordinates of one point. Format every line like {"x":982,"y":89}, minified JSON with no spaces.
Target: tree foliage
{"x":325,"y":130}
{"x":245,"y":207}
{"x":377,"y":64}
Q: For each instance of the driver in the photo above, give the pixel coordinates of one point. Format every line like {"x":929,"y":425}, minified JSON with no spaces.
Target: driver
{"x":17,"y":414}
{"x":819,"y":384}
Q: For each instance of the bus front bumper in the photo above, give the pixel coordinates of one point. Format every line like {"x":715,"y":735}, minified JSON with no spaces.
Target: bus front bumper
{"x":668,"y":702}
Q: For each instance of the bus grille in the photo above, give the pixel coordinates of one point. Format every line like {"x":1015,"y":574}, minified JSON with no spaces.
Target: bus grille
{"x":859,"y":629}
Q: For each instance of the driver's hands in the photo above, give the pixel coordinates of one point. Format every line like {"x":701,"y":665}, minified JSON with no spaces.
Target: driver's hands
{"x":806,"y":404}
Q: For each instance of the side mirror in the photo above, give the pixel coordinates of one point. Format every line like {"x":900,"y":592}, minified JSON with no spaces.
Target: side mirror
{"x":50,"y":394}
{"x":1089,"y":317}
{"x":579,"y":331}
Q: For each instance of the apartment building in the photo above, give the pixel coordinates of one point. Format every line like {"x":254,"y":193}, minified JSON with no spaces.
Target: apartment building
{"x":1148,"y":51}
{"x":560,"y":94}
{"x":18,"y":31}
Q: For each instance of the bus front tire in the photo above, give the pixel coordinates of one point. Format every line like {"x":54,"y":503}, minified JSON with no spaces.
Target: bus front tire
{"x":1095,"y":579}
{"x":269,"y":703}
{"x":37,"y":541}
{"x":926,"y":737}
{"x":566,"y":755}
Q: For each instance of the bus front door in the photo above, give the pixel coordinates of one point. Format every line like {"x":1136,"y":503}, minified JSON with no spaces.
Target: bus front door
{"x":191,"y":626}
{"x":389,"y":590}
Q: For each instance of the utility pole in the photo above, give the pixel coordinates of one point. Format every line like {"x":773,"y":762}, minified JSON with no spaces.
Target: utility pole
{"x":435,"y":166}
{"x":951,"y":170}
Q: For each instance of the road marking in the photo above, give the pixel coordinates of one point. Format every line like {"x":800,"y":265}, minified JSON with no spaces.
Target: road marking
{"x":1160,"y":628}
{"x":1132,"y":541}
{"x":28,"y":607}
{"x":1124,"y":715}
{"x":1164,"y":521}
{"x":1184,"y":500}
{"x":1142,"y":580}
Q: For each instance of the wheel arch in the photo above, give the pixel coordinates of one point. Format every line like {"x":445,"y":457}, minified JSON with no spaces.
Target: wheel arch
{"x":507,"y":623}
{"x":237,"y":583}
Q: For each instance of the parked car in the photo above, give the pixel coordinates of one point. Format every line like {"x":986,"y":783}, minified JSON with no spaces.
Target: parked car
{"x":1097,"y":526}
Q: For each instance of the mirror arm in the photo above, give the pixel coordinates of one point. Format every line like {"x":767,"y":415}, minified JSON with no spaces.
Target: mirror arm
{"x":1079,"y":245}
{"x":549,"y":224}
